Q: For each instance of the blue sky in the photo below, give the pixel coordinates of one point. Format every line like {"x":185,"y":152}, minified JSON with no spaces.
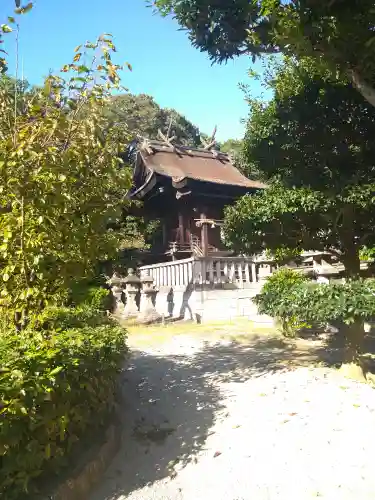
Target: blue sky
{"x":165,"y":65}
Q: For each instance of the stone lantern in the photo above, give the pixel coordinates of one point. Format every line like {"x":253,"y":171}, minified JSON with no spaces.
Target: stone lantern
{"x":148,"y":313}
{"x":132,"y":283}
{"x":116,"y":283}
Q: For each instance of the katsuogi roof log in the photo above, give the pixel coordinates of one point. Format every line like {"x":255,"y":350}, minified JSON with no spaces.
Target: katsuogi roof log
{"x":181,"y":164}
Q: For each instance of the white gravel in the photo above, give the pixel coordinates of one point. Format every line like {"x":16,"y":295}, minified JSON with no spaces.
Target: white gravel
{"x":225,"y":421}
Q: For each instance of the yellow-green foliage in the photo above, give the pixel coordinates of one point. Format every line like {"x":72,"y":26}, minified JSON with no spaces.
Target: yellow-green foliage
{"x":53,"y":387}
{"x":62,"y":195}
{"x":62,"y":184}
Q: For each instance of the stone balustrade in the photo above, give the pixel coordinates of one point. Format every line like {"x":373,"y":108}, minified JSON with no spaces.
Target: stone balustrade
{"x":238,"y":271}
{"x":171,"y":274}
{"x":225,"y":272}
{"x":208,"y":288}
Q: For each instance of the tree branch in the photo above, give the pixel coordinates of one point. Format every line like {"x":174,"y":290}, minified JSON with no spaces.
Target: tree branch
{"x":365,"y":237}
{"x":367,"y":91}
{"x":22,"y":240}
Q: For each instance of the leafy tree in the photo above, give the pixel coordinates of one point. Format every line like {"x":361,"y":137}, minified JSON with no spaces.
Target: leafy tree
{"x":16,"y":89}
{"x":316,"y":149}
{"x":61,"y":181}
{"x":233,"y":146}
{"x":138,"y":113}
{"x":337,"y":33}
{"x":275,"y":294}
{"x":141,"y":115}
{"x":367,"y":253}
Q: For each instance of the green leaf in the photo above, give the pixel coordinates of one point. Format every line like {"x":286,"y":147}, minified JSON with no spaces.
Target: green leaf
{"x":5,"y":28}
{"x":83,"y":69}
{"x":56,"y":370}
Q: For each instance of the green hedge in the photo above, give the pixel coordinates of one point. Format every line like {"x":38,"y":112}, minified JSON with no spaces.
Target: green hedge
{"x":53,"y":386}
{"x":295,"y":300}
{"x":347,"y":302}
{"x":90,"y":295}
{"x":63,"y":318}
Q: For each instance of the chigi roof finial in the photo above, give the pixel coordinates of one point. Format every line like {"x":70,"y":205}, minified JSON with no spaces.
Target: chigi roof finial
{"x":167,"y":139}
{"x":208,"y":145}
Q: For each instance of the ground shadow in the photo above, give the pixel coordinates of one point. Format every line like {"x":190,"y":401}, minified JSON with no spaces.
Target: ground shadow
{"x":333,"y":338}
{"x":185,"y":306}
{"x":170,"y":404}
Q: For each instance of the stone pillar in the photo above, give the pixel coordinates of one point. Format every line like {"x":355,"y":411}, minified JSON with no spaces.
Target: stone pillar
{"x":148,"y":313}
{"x":132,"y":287}
{"x":116,"y":288}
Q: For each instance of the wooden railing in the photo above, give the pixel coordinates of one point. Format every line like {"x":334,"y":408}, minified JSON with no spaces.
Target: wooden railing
{"x":194,"y":247}
{"x":239,"y":271}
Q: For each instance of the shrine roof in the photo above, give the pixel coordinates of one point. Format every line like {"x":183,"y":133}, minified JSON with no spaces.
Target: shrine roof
{"x":182,"y":162}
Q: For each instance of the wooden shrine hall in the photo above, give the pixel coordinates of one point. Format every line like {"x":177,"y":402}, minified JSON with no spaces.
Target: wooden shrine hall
{"x":194,"y":276}
{"x":186,"y":189}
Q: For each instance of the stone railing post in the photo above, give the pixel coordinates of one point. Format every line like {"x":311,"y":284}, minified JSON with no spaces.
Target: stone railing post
{"x":148,"y":313}
{"x":132,"y":288}
{"x":116,"y":283}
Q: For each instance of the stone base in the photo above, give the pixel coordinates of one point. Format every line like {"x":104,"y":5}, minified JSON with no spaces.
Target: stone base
{"x":149,"y":316}
{"x":129,"y":314}
{"x":119,"y":311}
{"x":207,"y":304}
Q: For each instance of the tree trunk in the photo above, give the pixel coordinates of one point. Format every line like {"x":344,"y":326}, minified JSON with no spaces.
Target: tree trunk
{"x":352,"y":263}
{"x":347,"y":233}
{"x":354,"y":333}
{"x":363,"y":87}
{"x":352,"y":366}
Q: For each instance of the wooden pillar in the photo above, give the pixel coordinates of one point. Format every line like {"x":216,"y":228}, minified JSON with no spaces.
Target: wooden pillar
{"x":204,"y":234}
{"x":181,"y":229}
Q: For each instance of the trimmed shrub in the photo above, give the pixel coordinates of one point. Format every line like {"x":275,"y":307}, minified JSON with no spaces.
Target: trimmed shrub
{"x":294,"y":300}
{"x":276,"y":296}
{"x":348,"y":302}
{"x":63,"y":318}
{"x":54,"y":386}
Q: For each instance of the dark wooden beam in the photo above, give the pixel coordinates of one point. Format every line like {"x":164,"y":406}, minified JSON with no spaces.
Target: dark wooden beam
{"x":181,"y":228}
{"x":204,"y":234}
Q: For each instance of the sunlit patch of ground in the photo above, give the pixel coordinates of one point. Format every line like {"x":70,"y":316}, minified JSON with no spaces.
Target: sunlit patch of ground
{"x":233,"y":411}
{"x":240,"y":330}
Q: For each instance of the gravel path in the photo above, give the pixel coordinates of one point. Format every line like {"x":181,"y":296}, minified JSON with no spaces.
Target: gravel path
{"x":227,"y":421}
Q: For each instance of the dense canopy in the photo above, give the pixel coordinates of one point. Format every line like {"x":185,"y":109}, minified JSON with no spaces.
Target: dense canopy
{"x":140,"y":114}
{"x":338,"y":33}
{"x":316,"y":150}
